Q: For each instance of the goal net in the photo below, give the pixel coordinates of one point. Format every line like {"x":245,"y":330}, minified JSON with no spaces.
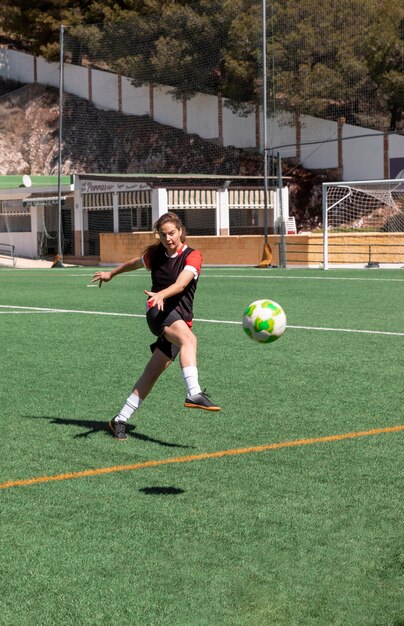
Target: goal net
{"x":363,"y":223}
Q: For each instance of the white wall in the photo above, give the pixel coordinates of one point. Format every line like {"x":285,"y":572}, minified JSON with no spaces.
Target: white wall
{"x":363,"y":158}
{"x":396,"y":147}
{"x":76,"y":79}
{"x":105,"y":90}
{"x":238,"y":131}
{"x":167,"y":110}
{"x":281,"y":135}
{"x":135,"y":100}
{"x":314,"y":155}
{"x":48,"y":73}
{"x":16,"y":66}
{"x":202,"y":116}
{"x":26,"y":244}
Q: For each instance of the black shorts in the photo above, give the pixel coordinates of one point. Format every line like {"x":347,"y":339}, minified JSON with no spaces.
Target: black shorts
{"x":157,"y":321}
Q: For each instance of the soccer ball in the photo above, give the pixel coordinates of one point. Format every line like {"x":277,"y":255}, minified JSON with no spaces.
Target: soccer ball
{"x":264,"y":321}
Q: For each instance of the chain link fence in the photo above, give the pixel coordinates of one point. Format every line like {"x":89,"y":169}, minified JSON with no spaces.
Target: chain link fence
{"x":180,"y":91}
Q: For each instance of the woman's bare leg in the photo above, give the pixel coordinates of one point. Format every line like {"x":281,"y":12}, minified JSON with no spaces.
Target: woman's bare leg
{"x":155,"y":367}
{"x":182,"y":336}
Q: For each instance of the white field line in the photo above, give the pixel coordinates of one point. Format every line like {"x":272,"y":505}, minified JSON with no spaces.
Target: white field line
{"x":35,"y":309}
{"x":24,"y":312}
{"x":207,"y":274}
{"x":348,"y":330}
{"x":196,"y":319}
{"x":384,"y":280}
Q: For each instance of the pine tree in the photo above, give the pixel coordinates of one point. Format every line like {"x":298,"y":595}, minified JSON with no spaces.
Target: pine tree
{"x":385,"y":56}
{"x":330,"y":59}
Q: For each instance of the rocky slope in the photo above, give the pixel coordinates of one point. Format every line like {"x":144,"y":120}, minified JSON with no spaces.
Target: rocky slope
{"x":97,"y":141}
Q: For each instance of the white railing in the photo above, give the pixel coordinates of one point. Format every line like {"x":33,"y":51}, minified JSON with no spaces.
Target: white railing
{"x":8,"y":250}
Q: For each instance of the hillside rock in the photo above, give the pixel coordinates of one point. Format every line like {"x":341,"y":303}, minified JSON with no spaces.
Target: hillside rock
{"x":100,"y":141}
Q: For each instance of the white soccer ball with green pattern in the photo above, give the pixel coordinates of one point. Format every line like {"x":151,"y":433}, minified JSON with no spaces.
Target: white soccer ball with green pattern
{"x":264,"y":321}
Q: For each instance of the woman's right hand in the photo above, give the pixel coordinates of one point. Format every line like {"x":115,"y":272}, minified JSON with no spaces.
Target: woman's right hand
{"x":155,"y":299}
{"x":101,"y":277}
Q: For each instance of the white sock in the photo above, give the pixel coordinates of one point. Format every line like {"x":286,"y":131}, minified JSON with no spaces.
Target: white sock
{"x":130,"y":406}
{"x":190,"y":374}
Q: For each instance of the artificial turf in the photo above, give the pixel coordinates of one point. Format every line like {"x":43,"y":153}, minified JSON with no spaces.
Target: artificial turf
{"x":305,"y":535}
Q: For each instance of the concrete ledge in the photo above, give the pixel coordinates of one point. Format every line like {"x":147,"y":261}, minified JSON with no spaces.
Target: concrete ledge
{"x":240,"y":250}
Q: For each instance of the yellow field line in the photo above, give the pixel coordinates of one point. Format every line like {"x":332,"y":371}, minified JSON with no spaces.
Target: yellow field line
{"x":199,"y":457}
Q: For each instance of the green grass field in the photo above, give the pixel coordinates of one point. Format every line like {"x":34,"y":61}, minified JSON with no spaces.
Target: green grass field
{"x":308,"y":533}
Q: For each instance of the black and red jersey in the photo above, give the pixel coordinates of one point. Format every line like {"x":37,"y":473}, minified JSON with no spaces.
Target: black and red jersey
{"x":165,"y":271}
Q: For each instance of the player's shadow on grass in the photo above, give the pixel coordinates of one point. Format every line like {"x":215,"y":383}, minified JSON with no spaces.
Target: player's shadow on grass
{"x":93,"y":427}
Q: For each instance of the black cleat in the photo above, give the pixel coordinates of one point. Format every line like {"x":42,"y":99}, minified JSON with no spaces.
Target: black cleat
{"x":200,"y":401}
{"x":118,"y":429}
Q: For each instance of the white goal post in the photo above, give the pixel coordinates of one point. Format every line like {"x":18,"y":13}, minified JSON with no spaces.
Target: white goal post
{"x":363,"y":223}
